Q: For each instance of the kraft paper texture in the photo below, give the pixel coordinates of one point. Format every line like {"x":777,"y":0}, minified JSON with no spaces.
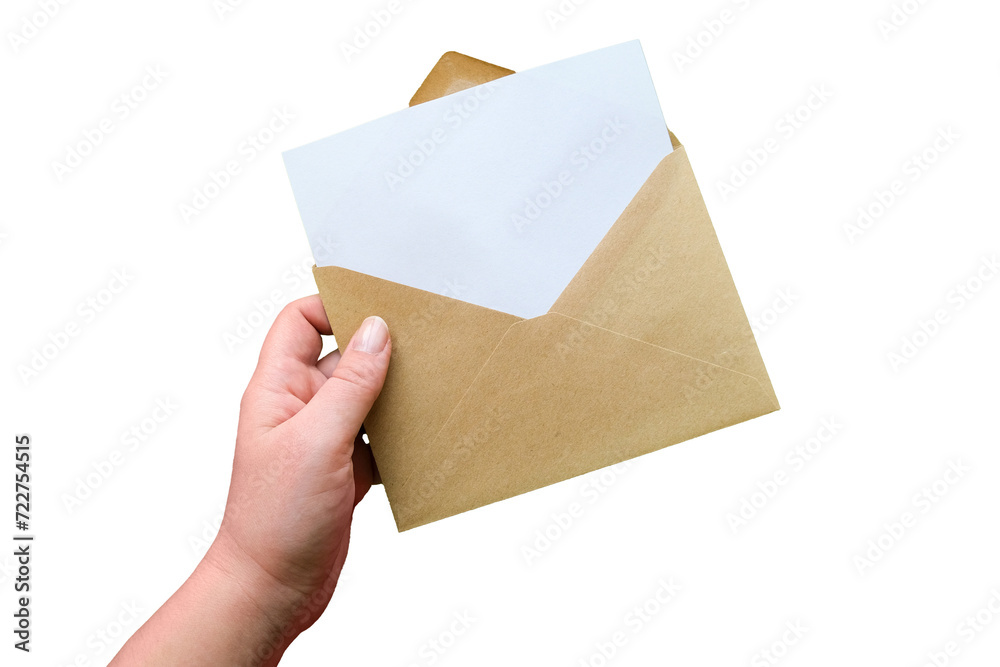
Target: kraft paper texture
{"x":648,"y":346}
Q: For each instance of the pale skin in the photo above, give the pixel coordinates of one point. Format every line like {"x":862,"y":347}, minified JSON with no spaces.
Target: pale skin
{"x":300,"y":469}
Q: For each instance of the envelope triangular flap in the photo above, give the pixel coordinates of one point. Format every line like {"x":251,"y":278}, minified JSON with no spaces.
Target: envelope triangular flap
{"x":455,"y":72}
{"x":559,"y":398}
{"x":659,"y":274}
{"x":648,"y":346}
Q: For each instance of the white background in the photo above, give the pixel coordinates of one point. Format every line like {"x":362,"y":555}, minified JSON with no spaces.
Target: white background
{"x":135,"y":538}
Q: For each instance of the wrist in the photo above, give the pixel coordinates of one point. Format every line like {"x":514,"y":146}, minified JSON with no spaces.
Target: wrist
{"x":268,"y":611}
{"x":228,"y":612}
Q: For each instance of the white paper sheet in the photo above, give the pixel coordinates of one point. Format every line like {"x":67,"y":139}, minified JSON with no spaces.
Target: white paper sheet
{"x":494,"y":195}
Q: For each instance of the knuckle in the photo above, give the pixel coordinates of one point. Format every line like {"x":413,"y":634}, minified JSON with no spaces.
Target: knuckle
{"x":359,"y":375}
{"x":287,"y":310}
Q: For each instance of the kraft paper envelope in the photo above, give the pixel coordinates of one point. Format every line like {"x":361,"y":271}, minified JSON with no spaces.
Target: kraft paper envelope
{"x":648,"y":346}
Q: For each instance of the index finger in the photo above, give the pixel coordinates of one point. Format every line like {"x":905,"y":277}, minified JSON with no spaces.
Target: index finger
{"x":296,"y":333}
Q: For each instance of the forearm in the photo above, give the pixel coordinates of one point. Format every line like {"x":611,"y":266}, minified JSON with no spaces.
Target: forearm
{"x":228,"y":612}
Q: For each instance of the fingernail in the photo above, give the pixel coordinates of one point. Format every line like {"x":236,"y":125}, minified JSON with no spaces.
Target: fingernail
{"x":372,"y":336}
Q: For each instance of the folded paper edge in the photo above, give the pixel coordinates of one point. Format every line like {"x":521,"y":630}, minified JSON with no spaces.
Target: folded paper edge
{"x":535,"y":321}
{"x":418,"y":518}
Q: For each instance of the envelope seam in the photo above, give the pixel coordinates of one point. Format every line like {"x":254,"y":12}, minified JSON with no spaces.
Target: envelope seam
{"x":486,"y":363}
{"x":659,"y":347}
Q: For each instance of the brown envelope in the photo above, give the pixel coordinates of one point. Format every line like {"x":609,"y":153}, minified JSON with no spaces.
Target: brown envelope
{"x":648,"y":346}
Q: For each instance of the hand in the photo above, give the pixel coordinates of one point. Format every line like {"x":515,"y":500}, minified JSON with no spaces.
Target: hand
{"x":301,"y":466}
{"x":299,"y":470}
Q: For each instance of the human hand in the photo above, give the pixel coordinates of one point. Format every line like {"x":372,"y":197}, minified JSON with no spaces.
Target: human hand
{"x":301,"y":466}
{"x":299,"y":470}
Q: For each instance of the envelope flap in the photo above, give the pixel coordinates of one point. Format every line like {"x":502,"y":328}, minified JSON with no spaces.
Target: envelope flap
{"x":659,"y":275}
{"x":559,"y":398}
{"x":455,"y":72}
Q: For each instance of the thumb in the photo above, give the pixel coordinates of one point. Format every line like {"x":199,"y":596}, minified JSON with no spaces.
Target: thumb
{"x":334,"y":415}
